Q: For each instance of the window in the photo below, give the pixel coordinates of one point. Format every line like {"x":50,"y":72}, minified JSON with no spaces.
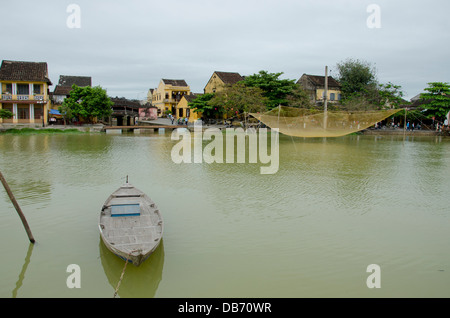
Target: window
{"x":8,"y":89}
{"x":339,"y":96}
{"x":332,"y":96}
{"x":23,"y":89}
{"x":180,"y":112}
{"x":37,"y":89}
{"x":37,"y":112}
{"x":23,"y":111}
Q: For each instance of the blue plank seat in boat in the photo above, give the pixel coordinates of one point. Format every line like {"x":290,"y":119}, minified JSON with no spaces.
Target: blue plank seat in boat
{"x":118,"y":210}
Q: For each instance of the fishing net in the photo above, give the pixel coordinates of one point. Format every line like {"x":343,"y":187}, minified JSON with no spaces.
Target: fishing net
{"x":301,"y":122}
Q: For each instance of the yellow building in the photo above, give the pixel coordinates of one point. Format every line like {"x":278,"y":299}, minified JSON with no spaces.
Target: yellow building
{"x":183,"y":109}
{"x":168,"y":94}
{"x":218,"y":81}
{"x":24,"y":92}
{"x":314,"y":85}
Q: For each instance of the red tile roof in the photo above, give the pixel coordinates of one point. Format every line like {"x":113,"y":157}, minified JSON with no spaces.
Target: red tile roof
{"x":174,"y":82}
{"x":24,"y":71}
{"x":318,"y":80}
{"x":65,"y":83}
{"x":229,"y":77}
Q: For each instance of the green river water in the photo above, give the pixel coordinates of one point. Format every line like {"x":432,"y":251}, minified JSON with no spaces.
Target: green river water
{"x":335,"y":206}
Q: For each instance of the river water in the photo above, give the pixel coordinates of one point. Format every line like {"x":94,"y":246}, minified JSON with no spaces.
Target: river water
{"x":335,"y":206}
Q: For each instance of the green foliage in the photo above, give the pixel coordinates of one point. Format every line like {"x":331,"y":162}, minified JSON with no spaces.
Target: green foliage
{"x":382,"y":96}
{"x":357,"y":102}
{"x":298,"y":98}
{"x":276,"y":90}
{"x":361,"y":91}
{"x":357,"y":78}
{"x":389,"y":95}
{"x":437,"y":100}
{"x":257,"y":93}
{"x":87,"y":103}
{"x":4,"y":113}
{"x":239,"y":98}
{"x":201,"y":105}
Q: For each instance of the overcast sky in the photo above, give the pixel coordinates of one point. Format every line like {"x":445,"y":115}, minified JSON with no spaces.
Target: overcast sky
{"x":128,"y":46}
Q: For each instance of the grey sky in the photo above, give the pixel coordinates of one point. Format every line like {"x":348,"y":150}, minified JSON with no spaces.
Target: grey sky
{"x":128,"y":46}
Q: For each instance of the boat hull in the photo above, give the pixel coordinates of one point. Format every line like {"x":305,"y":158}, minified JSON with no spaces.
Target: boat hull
{"x":136,"y":259}
{"x":130,"y":224}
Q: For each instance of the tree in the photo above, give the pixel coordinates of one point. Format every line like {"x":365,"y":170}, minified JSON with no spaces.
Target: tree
{"x":298,"y":98}
{"x":274,"y":89}
{"x":239,"y":98}
{"x":357,"y":78}
{"x":385,"y":96}
{"x":87,"y":103}
{"x":436,"y":100}
{"x":201,"y":105}
{"x":5,"y":113}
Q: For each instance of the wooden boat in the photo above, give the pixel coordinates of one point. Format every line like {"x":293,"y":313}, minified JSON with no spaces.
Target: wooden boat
{"x":130,"y":224}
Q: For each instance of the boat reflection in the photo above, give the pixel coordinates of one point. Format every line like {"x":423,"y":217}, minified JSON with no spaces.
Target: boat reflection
{"x":138,"y":281}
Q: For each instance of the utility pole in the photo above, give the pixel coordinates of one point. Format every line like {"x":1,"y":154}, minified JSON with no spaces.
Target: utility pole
{"x":325,"y":106}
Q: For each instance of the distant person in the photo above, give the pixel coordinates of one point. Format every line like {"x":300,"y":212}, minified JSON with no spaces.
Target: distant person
{"x":407,"y":125}
{"x":186,"y":121}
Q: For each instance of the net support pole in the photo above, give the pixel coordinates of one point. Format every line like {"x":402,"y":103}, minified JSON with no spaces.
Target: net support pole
{"x":279,"y":111}
{"x":325,"y":95}
{"x":404,"y":124}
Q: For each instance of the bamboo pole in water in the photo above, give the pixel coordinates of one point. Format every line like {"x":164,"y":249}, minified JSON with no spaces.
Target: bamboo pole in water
{"x":18,"y":209}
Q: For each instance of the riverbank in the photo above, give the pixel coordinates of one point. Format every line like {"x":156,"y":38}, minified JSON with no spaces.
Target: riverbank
{"x":30,"y":131}
{"x":97,"y":128}
{"x":401,"y":132}
{"x":18,"y":128}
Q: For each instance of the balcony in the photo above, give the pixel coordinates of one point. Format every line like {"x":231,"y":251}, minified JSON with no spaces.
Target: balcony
{"x":173,"y":100}
{"x":22,"y":97}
